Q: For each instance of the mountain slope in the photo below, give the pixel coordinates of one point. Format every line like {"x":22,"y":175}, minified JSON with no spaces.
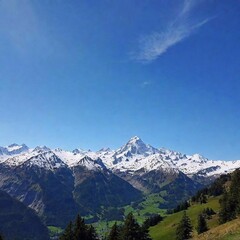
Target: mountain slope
{"x":215,"y":198}
{"x":46,"y":190}
{"x":96,"y":189}
{"x":17,"y":222}
{"x":167,"y":228}
{"x":58,"y":192}
{"x":226,"y":231}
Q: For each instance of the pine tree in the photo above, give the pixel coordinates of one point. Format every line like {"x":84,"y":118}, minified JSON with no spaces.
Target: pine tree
{"x":230,"y":201}
{"x":202,"y":224}
{"x":144,"y":233}
{"x":68,"y":233}
{"x":228,"y":208}
{"x":91,"y":233}
{"x":114,"y":233}
{"x":223,"y":213}
{"x":80,"y":230}
{"x":184,"y":228}
{"x":131,"y":228}
{"x":234,"y":192}
{"x":203,"y":198}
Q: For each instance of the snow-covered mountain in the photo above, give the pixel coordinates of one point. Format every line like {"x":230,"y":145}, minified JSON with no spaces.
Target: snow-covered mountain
{"x":45,"y":179}
{"x":132,"y":157}
{"x":13,"y":149}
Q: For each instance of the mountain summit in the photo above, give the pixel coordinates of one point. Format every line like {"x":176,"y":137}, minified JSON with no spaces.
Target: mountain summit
{"x":135,"y":146}
{"x":132,"y":156}
{"x":13,"y":149}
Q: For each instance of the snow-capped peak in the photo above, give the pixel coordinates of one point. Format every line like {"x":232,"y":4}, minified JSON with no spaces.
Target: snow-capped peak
{"x":47,"y":160}
{"x":91,"y":164}
{"x":13,"y":149}
{"x":43,"y":159}
{"x":14,"y":145}
{"x":104,"y":150}
{"x":81,"y":151}
{"x":135,"y":146}
{"x":41,"y":149}
{"x":198,"y":158}
{"x":132,"y":156}
{"x":134,"y":139}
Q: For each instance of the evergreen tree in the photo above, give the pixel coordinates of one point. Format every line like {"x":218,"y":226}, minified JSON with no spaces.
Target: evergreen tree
{"x":223,"y":213}
{"x":131,"y":228}
{"x":68,"y":233}
{"x":208,"y":212}
{"x":227,"y":208}
{"x":144,"y":233}
{"x":202,"y":224}
{"x":91,"y":233}
{"x":184,"y":228}
{"x":114,"y":233}
{"x":230,"y":201}
{"x":203,"y":198}
{"x":234,"y":192}
{"x":152,"y":220}
{"x":80,"y":230}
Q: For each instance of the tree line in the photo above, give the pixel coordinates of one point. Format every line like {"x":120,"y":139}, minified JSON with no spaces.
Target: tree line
{"x":129,"y":230}
{"x":185,"y":228}
{"x":230,"y":201}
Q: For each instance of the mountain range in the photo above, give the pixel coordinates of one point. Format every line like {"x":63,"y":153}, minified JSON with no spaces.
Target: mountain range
{"x":58,"y":184}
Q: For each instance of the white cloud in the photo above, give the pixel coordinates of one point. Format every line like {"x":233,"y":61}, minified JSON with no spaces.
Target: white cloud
{"x":145,"y":84}
{"x":154,"y":45}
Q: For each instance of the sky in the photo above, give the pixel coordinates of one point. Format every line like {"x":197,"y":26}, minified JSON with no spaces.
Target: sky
{"x":92,"y":74}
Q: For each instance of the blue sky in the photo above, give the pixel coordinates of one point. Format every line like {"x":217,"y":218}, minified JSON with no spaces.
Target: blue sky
{"x":92,"y":74}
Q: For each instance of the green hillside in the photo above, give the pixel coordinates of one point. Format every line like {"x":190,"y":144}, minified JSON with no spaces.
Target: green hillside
{"x":226,"y":231}
{"x":165,"y":230}
{"x":227,"y":211}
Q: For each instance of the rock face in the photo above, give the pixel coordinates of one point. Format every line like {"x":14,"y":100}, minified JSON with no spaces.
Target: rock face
{"x":18,"y":220}
{"x":58,"y":184}
{"x":58,"y":192}
{"x":48,"y":192}
{"x":102,"y":188}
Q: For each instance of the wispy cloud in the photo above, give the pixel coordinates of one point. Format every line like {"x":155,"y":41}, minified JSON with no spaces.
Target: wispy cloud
{"x":154,"y":45}
{"x":145,"y":84}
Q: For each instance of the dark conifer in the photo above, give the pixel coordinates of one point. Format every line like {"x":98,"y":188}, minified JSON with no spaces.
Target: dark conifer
{"x":130,"y":228}
{"x":184,"y":228}
{"x":91,"y":233}
{"x":68,"y":233}
{"x":203,"y":198}
{"x":223,"y":213}
{"x":202,"y":224}
{"x":234,"y":192}
{"x":80,"y":229}
{"x":114,"y":233}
